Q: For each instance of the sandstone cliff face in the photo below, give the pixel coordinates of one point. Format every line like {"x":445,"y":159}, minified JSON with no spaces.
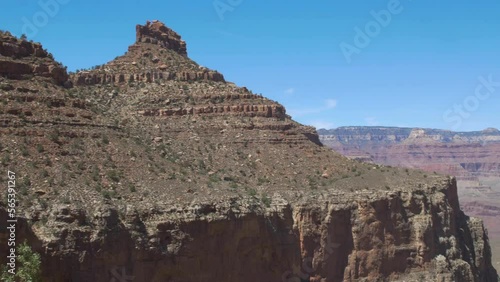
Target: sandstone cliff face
{"x":412,"y":235}
{"x":192,"y":178}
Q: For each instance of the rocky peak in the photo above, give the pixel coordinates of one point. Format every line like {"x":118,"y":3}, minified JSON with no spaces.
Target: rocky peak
{"x":158,"y":33}
{"x":158,"y":54}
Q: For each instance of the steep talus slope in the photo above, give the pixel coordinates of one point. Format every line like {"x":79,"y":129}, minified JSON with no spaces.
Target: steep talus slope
{"x":153,"y":168}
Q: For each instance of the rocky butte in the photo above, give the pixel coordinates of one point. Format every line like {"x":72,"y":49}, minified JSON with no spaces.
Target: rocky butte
{"x":154,"y":168}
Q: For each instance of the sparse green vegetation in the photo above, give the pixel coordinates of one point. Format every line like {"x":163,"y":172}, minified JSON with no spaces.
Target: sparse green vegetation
{"x":25,"y":184}
{"x":109,"y":194}
{"x":95,"y":173}
{"x":28,"y":268}
{"x":98,"y":187}
{"x":214,"y":178}
{"x":47,"y":161}
{"x":5,"y":159}
{"x":105,"y":140}
{"x":313,"y":182}
{"x":80,"y":165}
{"x":54,"y":136}
{"x":266,"y":200}
{"x":252,"y":192}
{"x":132,"y":188}
{"x":24,"y":151}
{"x":262,"y":181}
{"x":202,"y":166}
{"x":114,"y":175}
{"x":32,"y":165}
{"x":66,"y":167}
{"x":39,"y":148}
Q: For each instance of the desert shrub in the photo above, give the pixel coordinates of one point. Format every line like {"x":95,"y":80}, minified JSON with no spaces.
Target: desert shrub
{"x":28,"y":268}
{"x":114,"y":175}
{"x":266,"y":200}
{"x":252,"y":192}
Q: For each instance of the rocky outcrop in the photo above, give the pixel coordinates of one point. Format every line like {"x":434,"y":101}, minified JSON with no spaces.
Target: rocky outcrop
{"x":412,"y":235}
{"x":157,"y":33}
{"x":20,"y":58}
{"x":268,"y":111}
{"x":92,"y":78}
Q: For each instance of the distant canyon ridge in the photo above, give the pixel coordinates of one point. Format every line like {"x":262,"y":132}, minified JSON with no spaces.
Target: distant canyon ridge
{"x":472,"y":157}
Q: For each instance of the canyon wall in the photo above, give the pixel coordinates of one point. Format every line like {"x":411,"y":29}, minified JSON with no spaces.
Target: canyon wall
{"x":411,"y":235}
{"x":472,"y":157}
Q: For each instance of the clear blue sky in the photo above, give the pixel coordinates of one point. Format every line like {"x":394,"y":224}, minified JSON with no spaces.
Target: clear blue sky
{"x":420,"y":68}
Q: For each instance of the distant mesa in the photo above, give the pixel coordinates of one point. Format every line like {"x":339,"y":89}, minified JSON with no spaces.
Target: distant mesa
{"x":491,"y":130}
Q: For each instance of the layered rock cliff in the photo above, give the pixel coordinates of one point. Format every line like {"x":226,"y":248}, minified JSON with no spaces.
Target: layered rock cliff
{"x":410,"y":235}
{"x":22,"y":59}
{"x":472,"y":157}
{"x":135,"y":176}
